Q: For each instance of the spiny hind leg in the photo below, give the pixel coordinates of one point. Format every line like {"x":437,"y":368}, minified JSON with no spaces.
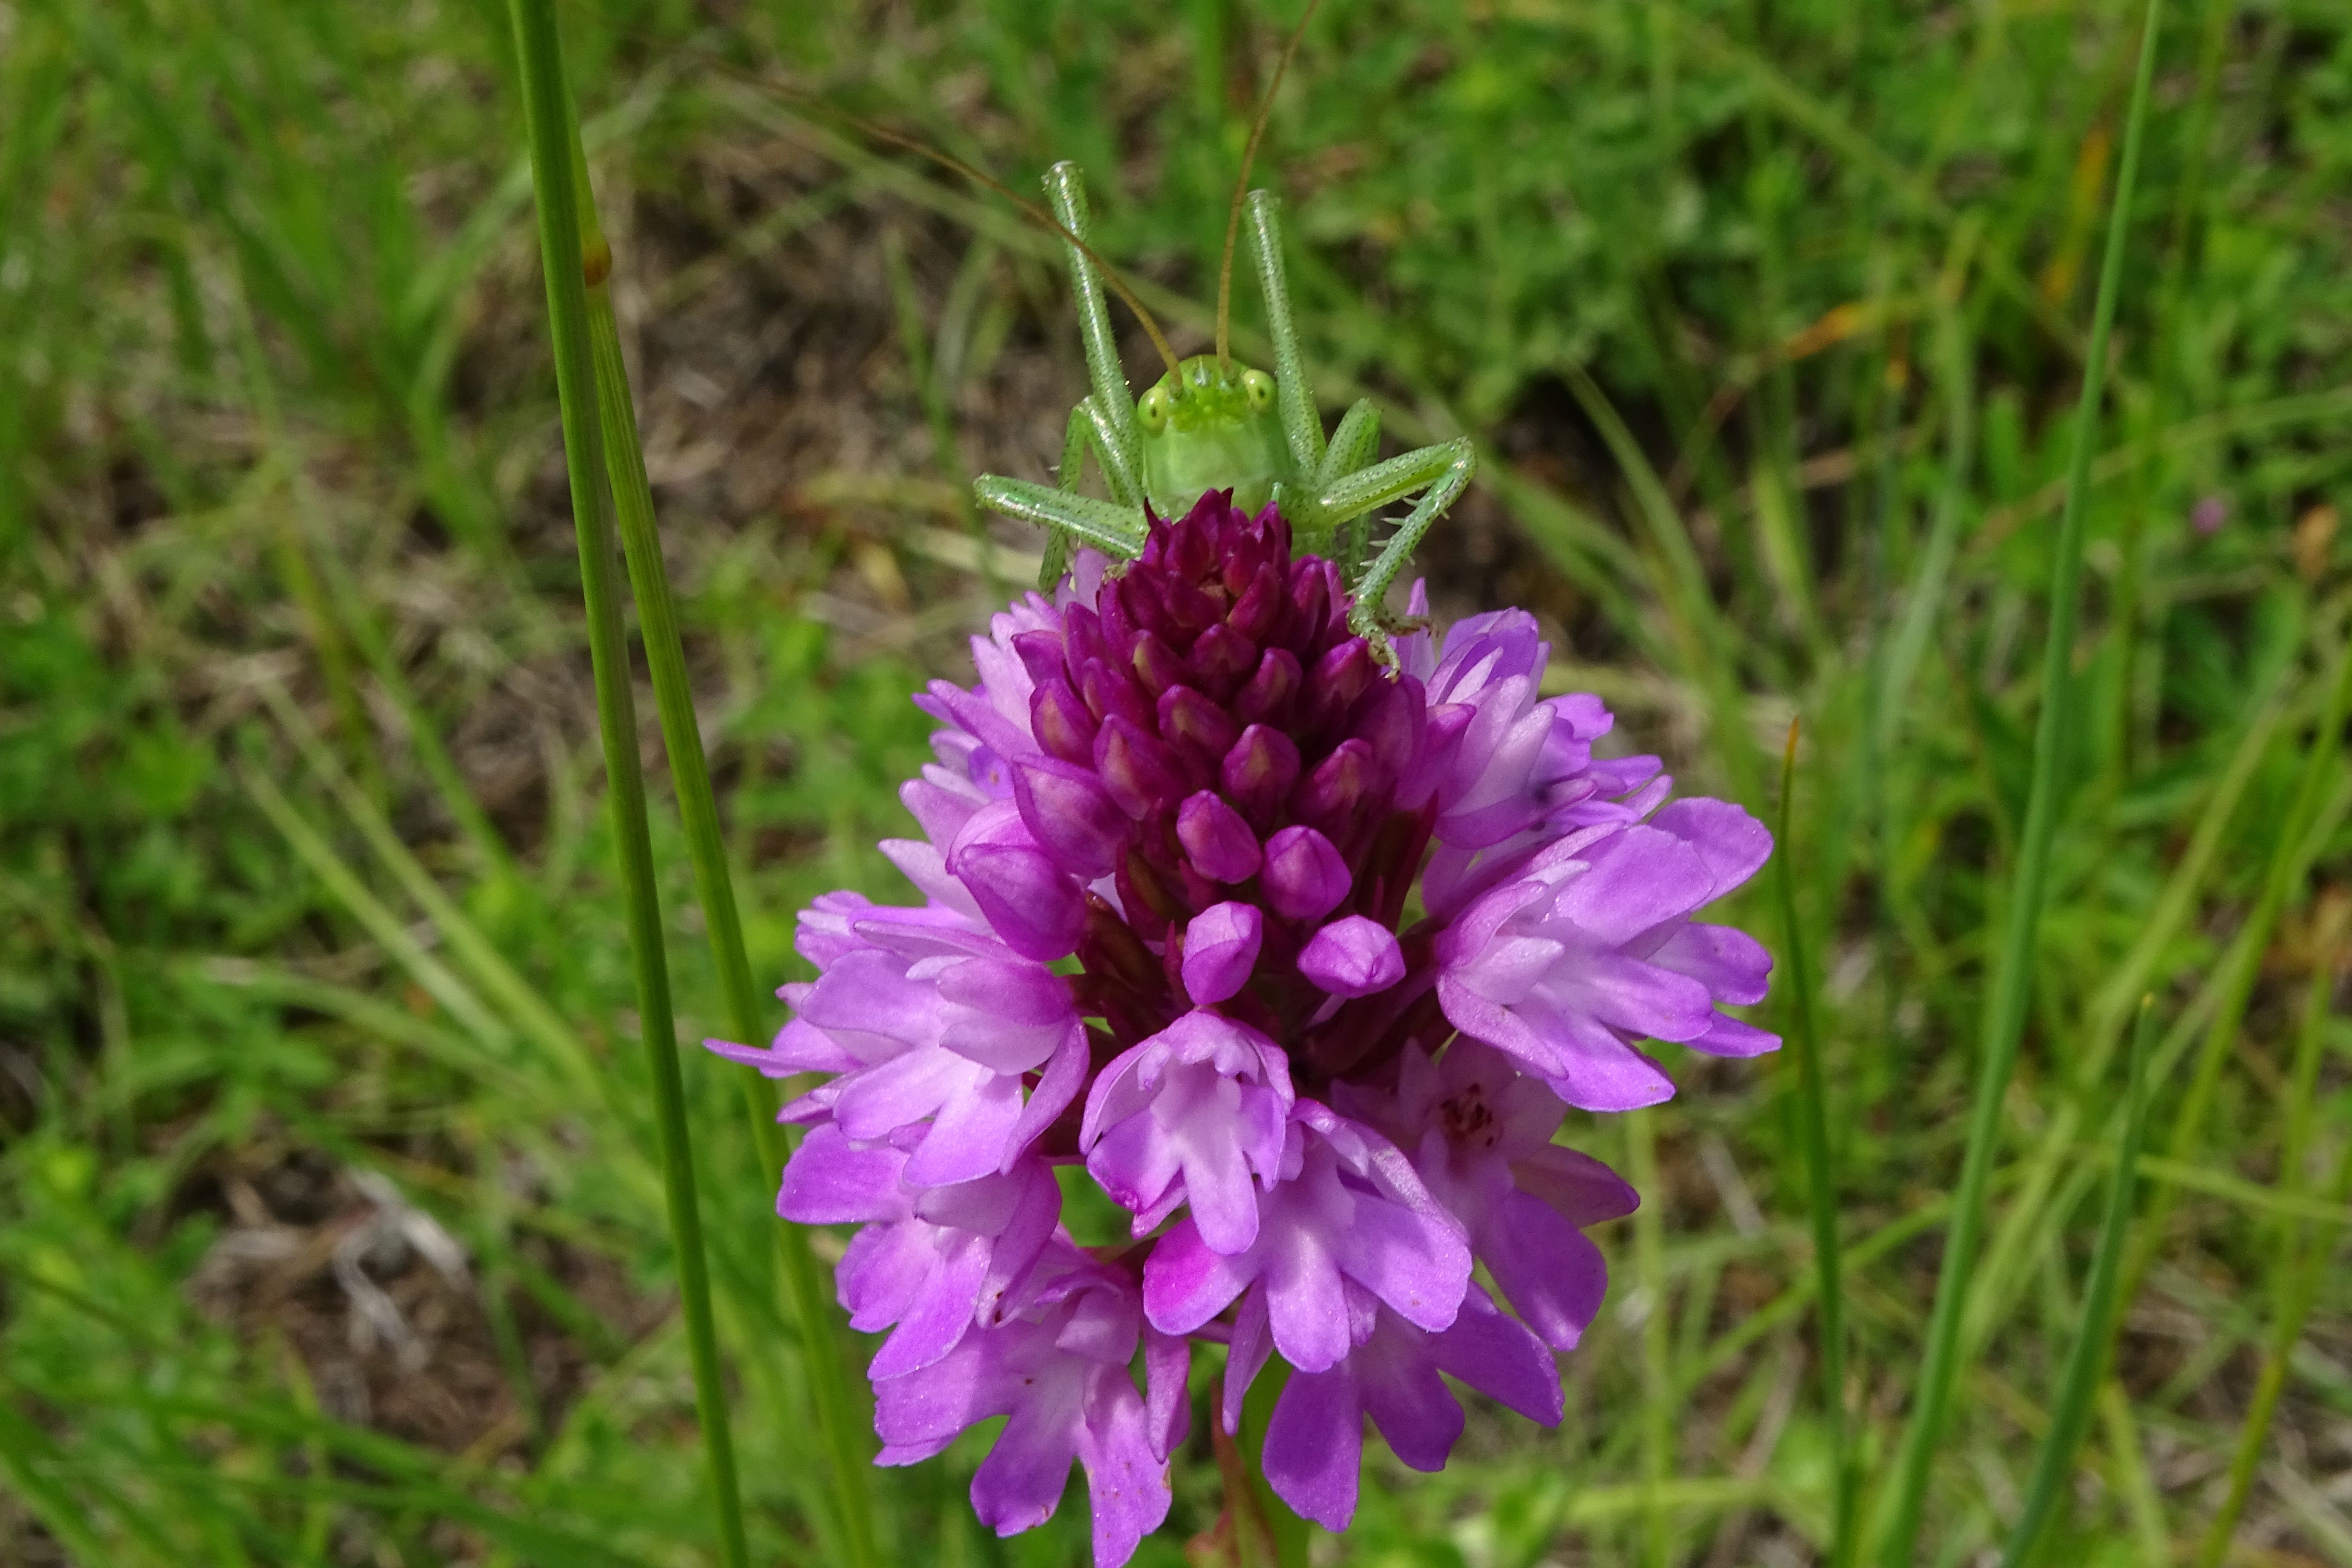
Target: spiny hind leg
{"x":1352,"y":446}
{"x":1441,"y":473}
{"x":1302,"y":425}
{"x":1066,"y":190}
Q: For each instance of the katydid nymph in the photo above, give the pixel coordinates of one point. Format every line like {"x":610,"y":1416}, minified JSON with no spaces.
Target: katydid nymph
{"x":1211,"y":424}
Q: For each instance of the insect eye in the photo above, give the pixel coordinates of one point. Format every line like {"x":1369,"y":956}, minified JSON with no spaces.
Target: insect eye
{"x":1151,"y":409}
{"x":1259,"y":388}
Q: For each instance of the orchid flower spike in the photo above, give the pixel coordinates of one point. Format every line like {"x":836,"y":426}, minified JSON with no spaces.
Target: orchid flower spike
{"x":1305,"y":955}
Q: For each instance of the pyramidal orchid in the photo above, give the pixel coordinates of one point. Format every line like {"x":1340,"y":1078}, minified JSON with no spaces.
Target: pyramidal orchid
{"x":1303,"y":949}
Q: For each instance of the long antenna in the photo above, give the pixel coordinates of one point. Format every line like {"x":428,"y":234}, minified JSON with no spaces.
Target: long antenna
{"x":1036,"y":215}
{"x":1241,"y":189}
{"x":817,"y":108}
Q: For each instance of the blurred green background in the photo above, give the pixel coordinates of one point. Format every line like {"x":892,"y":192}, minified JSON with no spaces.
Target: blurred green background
{"x":329,"y":1226}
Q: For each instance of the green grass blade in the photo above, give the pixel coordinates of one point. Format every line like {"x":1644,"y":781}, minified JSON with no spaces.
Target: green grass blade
{"x":1681,"y":585}
{"x":2004,"y":1015}
{"x":2145,"y":967}
{"x":64,"y":1516}
{"x":1923,"y":600}
{"x":2053,"y":1465}
{"x":501,"y":983}
{"x":553,"y":148}
{"x":2280,"y":877}
{"x":838,"y":1418}
{"x":2300,"y":1272}
{"x":358,"y":622}
{"x":387,"y":928}
{"x":1821,"y":1182}
{"x":1659,"y":1396}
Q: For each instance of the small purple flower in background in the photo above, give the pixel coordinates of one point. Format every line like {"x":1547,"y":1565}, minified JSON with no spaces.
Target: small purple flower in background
{"x":1304,"y":949}
{"x":2209,"y":514}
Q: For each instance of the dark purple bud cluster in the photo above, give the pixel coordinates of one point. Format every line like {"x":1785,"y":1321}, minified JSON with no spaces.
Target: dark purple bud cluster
{"x":1214,"y":734}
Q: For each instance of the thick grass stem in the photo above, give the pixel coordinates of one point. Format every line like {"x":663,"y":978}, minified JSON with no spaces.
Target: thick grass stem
{"x":706,"y":847}
{"x":553,"y":153}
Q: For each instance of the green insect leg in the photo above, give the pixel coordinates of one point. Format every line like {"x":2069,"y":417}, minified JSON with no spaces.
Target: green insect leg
{"x":1445,"y":470}
{"x":1115,"y":531}
{"x":1302,"y":426}
{"x":1066,"y":190}
{"x":1087,"y":430}
{"x":1352,"y":446}
{"x":1120,"y":471}
{"x":1073,"y":458}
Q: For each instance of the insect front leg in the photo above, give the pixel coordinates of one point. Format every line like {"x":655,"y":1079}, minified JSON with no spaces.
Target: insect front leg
{"x":1444,"y":469}
{"x":1087,"y":429}
{"x":1073,"y":459}
{"x":1122,"y":472}
{"x":1116,"y":531}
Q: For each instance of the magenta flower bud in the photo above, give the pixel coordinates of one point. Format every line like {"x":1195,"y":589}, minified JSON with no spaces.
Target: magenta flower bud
{"x":1071,"y":815}
{"x":1244,"y":561}
{"x":1037,"y":908}
{"x":1108,"y":690}
{"x":1032,"y":903}
{"x":1338,"y":678}
{"x":1189,"y":718}
{"x":1305,"y":877}
{"x":1220,"y":950}
{"x":1394,"y":725}
{"x":1157,"y":665}
{"x":1132,"y":605}
{"x":1221,"y":844}
{"x":1270,"y":690}
{"x":1141,"y":772}
{"x":1258,"y":771}
{"x":1190,"y":552}
{"x":1353,"y":957}
{"x":1060,"y":721}
{"x":1192,"y":609}
{"x":1221,"y":661}
{"x":1338,"y":784}
{"x":1260,"y":606}
{"x":1310,"y":597}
